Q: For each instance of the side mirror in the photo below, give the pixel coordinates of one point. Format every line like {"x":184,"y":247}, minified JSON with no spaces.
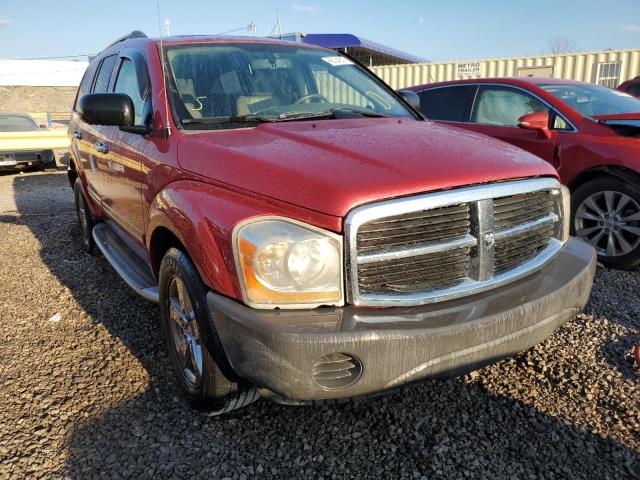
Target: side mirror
{"x":107,"y":109}
{"x":411,"y":98}
{"x":538,"y":121}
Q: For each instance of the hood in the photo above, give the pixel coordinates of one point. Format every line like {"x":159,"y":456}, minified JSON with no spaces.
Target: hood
{"x":623,"y":124}
{"x":331,"y":166}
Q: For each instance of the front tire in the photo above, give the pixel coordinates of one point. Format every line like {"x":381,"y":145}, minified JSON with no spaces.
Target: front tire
{"x":194,"y":348}
{"x":606,"y":213}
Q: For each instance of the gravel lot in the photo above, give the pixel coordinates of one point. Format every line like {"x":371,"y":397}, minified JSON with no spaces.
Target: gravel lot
{"x":86,"y":391}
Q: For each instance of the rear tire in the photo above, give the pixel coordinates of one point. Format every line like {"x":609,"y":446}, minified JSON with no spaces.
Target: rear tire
{"x":86,"y":220}
{"x":50,"y":162}
{"x":606,"y":213}
{"x":194,"y":347}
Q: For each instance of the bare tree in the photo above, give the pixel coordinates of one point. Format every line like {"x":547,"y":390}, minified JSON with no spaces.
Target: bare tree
{"x":560,"y":45}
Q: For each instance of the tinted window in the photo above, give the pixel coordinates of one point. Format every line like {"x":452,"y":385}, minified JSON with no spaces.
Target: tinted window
{"x":104,"y":74}
{"x":127,"y":82}
{"x":503,"y":106}
{"x":16,"y":123}
{"x":447,"y":104}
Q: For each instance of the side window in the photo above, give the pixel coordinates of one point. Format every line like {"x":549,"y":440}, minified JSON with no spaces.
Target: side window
{"x":127,"y":82}
{"x":104,"y":74}
{"x":336,"y":90}
{"x":503,"y":106}
{"x":85,"y":85}
{"x":449,"y":104}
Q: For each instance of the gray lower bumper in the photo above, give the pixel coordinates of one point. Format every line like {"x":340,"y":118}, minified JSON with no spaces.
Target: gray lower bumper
{"x":276,"y":349}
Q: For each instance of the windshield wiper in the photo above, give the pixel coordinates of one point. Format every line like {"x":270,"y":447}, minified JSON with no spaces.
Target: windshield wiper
{"x":244,"y":119}
{"x":364,"y":113}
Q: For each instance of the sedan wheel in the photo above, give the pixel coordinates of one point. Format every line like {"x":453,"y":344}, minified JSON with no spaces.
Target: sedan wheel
{"x":610,"y":221}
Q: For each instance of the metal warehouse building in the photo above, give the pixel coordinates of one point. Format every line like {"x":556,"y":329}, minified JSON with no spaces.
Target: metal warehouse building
{"x":609,"y":68}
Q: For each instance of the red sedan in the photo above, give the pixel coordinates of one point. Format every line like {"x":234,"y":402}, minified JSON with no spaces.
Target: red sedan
{"x":591,"y":134}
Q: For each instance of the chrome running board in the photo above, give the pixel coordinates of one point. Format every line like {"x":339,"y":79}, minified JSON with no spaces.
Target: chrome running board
{"x":126,"y":263}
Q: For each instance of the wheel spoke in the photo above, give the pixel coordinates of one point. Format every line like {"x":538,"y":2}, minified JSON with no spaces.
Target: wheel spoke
{"x":177,"y":313}
{"x":634,"y":230}
{"x":624,"y":199}
{"x":611,"y":245}
{"x":634,"y":217}
{"x":582,"y":213}
{"x":585,"y":232}
{"x":185,"y":301}
{"x":195,"y":353}
{"x":608,"y":200}
{"x":590,"y":202}
{"x":624,"y":245}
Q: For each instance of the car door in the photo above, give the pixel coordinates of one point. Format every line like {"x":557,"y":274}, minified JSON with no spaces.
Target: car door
{"x":92,"y":139}
{"x":125,"y":173}
{"x":496,"y":110}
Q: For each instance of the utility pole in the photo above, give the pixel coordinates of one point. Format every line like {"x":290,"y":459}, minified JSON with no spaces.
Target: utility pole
{"x":253,"y":26}
{"x":167,"y":24}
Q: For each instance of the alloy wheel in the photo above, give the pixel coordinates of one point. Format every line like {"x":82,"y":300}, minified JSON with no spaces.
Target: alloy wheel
{"x":185,"y":333}
{"x":610,"y":221}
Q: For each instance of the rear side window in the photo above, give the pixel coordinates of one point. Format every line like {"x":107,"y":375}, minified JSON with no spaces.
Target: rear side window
{"x":449,"y":104}
{"x":104,"y":74}
{"x":503,"y":106}
{"x":127,"y":82}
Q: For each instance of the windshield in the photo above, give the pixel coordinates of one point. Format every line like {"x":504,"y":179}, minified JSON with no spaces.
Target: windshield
{"x":16,"y":123}
{"x":592,"y":100}
{"x":227,"y":85}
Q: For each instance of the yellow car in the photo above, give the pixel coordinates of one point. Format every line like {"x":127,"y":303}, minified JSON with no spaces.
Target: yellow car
{"x":20,"y":145}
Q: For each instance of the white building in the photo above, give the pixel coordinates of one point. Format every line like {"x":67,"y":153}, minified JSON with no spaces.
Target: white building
{"x":608,"y":67}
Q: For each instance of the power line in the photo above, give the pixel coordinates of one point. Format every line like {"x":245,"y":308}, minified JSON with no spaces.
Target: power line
{"x":54,"y":58}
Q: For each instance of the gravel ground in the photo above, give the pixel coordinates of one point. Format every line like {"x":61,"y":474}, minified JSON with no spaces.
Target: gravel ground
{"x":86,"y":392}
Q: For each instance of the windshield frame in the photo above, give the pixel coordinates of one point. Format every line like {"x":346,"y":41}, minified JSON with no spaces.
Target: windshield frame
{"x":173,"y":95}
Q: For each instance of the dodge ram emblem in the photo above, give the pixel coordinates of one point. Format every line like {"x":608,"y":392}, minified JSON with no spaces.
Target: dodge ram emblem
{"x":488,"y":239}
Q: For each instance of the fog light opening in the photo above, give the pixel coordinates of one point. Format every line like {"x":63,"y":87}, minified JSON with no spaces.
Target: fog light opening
{"x":336,"y":371}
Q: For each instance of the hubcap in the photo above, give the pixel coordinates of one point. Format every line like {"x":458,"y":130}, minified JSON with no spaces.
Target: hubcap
{"x":610,"y":221}
{"x":185,"y":332}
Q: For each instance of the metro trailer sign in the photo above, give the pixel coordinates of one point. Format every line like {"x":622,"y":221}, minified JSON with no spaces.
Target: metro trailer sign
{"x":468,"y":69}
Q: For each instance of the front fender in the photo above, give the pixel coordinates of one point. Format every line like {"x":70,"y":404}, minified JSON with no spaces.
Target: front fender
{"x":202,"y":216}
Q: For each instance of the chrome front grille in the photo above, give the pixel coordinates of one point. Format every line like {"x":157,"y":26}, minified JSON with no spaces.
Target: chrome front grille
{"x":438,"y":246}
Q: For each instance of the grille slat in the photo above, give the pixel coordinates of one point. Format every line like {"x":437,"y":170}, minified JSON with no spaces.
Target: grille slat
{"x":521,"y":248}
{"x":517,"y":209}
{"x":428,"y":252}
{"x":417,"y":227}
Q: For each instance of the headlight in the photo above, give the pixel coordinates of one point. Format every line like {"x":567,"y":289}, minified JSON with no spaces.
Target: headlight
{"x":287,"y":264}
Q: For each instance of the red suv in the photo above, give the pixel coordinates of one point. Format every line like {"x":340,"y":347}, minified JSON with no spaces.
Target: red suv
{"x":590,"y":134}
{"x":306,"y":233}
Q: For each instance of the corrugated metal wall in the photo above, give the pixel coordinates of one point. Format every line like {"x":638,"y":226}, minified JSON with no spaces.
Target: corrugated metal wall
{"x":583,"y":66}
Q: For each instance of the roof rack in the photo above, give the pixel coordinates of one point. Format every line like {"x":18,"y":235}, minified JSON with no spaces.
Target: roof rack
{"x":134,"y":34}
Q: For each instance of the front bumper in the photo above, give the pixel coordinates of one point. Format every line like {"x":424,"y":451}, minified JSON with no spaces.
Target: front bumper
{"x":277,"y":349}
